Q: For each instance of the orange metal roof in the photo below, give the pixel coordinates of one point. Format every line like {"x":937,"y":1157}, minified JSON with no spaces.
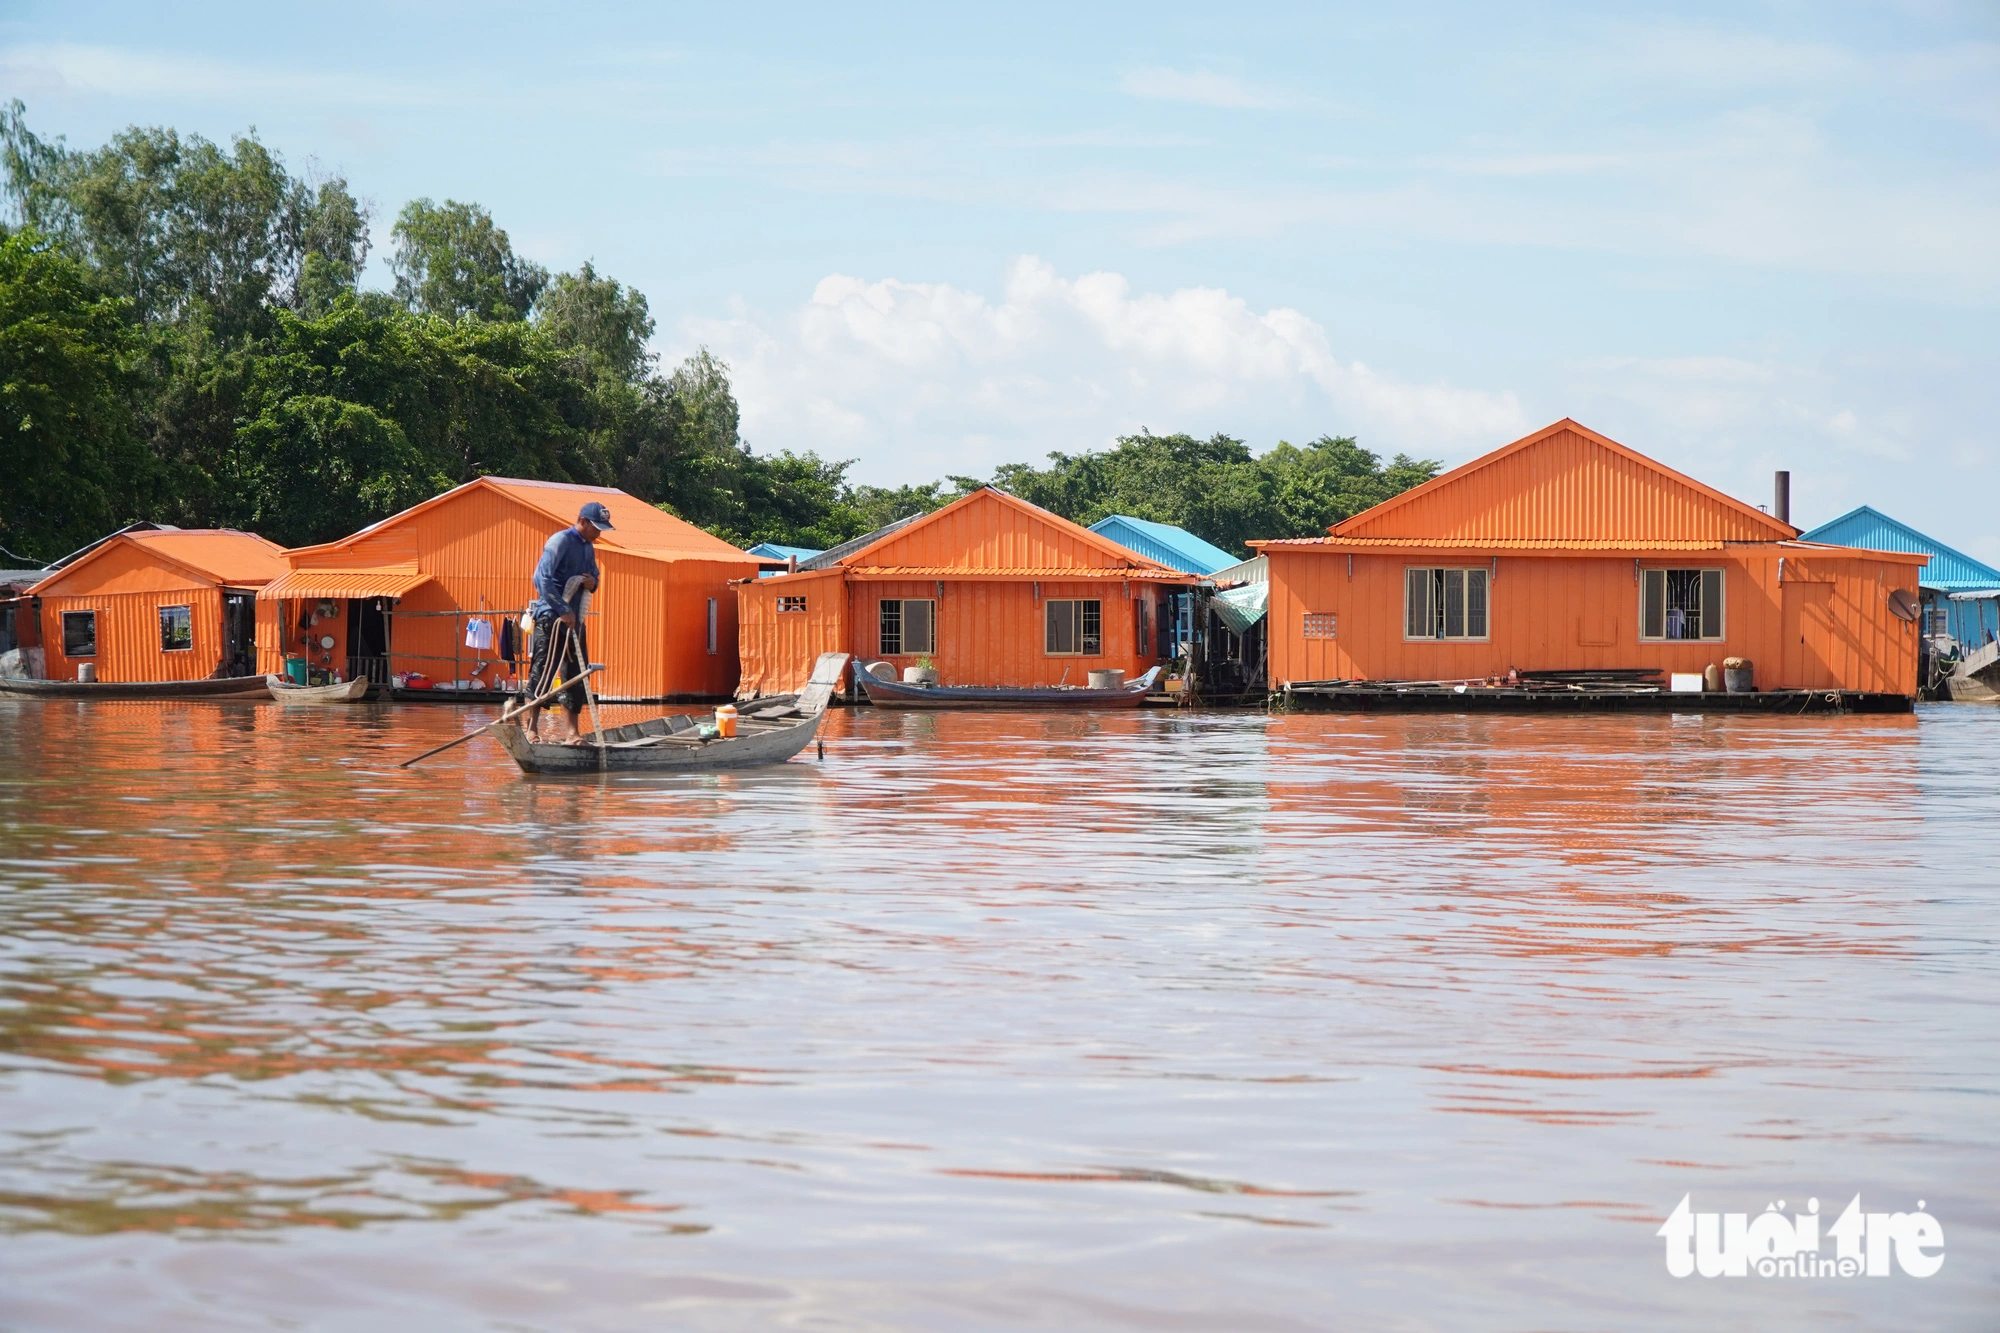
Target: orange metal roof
{"x":1486,"y":544}
{"x":1566,"y":483}
{"x":386,"y":581}
{"x":637,"y":528}
{"x":1056,"y":574}
{"x":996,"y":535}
{"x":218,"y":556}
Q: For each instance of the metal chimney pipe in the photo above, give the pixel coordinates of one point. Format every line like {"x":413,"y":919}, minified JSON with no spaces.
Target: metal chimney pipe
{"x":1781,"y":497}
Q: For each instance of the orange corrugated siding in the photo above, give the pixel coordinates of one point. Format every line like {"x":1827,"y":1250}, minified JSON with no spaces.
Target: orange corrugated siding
{"x":1563,"y":608}
{"x":128,"y":579}
{"x":128,"y":635}
{"x":479,"y":543}
{"x":1565,"y":482}
{"x":779,"y":648}
{"x":990,"y":561}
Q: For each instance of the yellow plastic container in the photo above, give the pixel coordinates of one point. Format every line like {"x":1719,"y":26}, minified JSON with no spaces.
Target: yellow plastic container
{"x":725,"y":721}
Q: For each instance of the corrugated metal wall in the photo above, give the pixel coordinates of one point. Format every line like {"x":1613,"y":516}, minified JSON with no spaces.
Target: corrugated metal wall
{"x":779,"y":648}
{"x":128,"y":635}
{"x":1564,"y":486}
{"x":1573,"y":612}
{"x":993,"y":632}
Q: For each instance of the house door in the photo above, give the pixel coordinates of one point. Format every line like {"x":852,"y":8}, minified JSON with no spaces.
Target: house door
{"x":239,"y":634}
{"x":1808,"y":628}
{"x":367,"y":640}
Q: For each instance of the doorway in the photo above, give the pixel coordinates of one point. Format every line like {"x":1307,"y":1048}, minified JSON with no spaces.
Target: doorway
{"x":239,"y":634}
{"x":1808,"y":630}
{"x":368,"y":639}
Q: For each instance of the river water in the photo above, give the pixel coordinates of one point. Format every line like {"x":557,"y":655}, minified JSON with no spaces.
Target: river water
{"x":989,"y":1021}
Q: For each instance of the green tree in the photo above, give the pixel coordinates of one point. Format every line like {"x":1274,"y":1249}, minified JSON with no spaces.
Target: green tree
{"x":598,"y":319}
{"x":170,"y":222}
{"x":452,"y":261}
{"x":67,"y":446}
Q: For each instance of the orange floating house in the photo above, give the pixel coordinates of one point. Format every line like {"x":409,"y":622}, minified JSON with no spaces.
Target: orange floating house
{"x":157,"y":604}
{"x":401,"y":598}
{"x":1567,"y":551}
{"x":992,"y":589}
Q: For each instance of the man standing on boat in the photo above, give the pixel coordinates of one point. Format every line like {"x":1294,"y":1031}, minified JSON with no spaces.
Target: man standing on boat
{"x":567,"y":569}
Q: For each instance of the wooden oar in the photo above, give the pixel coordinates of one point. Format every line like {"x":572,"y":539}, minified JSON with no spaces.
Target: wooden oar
{"x":509,"y":715}
{"x":596,"y":727}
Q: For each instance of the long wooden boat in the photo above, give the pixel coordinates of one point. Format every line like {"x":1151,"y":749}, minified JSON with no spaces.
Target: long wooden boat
{"x":895,"y":694}
{"x":768,"y":731}
{"x":228,"y":687}
{"x":346,"y":691}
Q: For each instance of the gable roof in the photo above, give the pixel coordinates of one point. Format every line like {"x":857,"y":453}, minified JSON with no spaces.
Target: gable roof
{"x":1164,"y":542}
{"x":638,"y":528}
{"x":1564,"y":485}
{"x":205,"y":557}
{"x":991,"y":532}
{"x":1949,"y":569}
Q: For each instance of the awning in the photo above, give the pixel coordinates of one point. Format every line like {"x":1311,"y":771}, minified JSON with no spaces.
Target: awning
{"x":1240,"y":608}
{"x":1979,"y":595}
{"x":313,"y":584}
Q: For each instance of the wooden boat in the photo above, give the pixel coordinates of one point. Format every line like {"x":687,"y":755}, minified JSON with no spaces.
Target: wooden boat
{"x":347,"y":690}
{"x":229,"y":687}
{"x":768,"y":731}
{"x":895,"y":694}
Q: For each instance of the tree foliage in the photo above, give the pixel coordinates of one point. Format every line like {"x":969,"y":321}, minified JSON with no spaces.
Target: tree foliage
{"x":67,"y":449}
{"x":1215,"y":488}
{"x":452,"y":261}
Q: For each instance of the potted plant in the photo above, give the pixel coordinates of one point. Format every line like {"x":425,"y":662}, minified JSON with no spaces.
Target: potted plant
{"x":923,"y":673}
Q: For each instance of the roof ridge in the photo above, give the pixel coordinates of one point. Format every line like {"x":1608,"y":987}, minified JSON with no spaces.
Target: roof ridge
{"x":1505,"y":451}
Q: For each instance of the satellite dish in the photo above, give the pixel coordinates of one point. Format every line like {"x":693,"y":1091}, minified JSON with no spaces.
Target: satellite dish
{"x":1903,"y":603}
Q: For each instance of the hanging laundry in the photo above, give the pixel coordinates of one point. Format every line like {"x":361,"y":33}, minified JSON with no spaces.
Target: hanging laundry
{"x":479,"y":634}
{"x":508,"y":636}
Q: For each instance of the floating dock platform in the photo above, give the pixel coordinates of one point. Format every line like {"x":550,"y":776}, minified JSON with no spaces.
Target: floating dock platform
{"x":1333,"y":696}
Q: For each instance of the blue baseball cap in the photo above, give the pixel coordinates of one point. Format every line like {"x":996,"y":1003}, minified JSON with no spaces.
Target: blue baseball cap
{"x":596,"y":515}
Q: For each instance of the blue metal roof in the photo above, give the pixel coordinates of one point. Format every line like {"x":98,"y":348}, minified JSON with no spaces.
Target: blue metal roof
{"x":1175,"y":547}
{"x":773,"y":551}
{"x":1868,"y":528}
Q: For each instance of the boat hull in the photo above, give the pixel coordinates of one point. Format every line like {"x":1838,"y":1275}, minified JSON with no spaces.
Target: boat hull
{"x":895,"y":694}
{"x":769,"y":731}
{"x":314,"y":695}
{"x":230,"y":687}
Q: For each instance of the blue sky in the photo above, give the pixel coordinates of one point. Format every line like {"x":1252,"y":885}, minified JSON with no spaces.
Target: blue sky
{"x":1735,"y":237}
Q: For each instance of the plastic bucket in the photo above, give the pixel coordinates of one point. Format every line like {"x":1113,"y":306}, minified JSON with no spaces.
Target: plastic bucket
{"x":295,"y":669}
{"x":1740,"y":680}
{"x":86,"y":671}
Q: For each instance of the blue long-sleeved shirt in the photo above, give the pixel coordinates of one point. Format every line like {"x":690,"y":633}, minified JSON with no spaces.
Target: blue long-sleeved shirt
{"x":564,"y":557}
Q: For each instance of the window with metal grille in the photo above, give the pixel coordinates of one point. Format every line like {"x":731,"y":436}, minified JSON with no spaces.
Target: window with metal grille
{"x":1075,"y":628}
{"x":791,"y":604}
{"x":908,"y":627}
{"x":1680,"y":604}
{"x":1445,"y":603}
{"x":1320,"y":625}
{"x":176,"y":629}
{"x":79,"y":633}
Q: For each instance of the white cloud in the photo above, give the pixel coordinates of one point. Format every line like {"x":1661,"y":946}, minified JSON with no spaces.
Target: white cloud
{"x":109,"y":71}
{"x":1208,"y":89}
{"x":919,"y":379}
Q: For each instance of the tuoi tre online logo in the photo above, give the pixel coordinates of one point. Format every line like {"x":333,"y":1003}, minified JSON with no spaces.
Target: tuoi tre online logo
{"x":1773,"y":1245}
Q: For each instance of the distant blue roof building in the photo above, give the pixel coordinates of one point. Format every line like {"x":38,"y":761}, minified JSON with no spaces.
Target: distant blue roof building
{"x":1951,"y":581}
{"x":1176,"y":548}
{"x":773,"y":551}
